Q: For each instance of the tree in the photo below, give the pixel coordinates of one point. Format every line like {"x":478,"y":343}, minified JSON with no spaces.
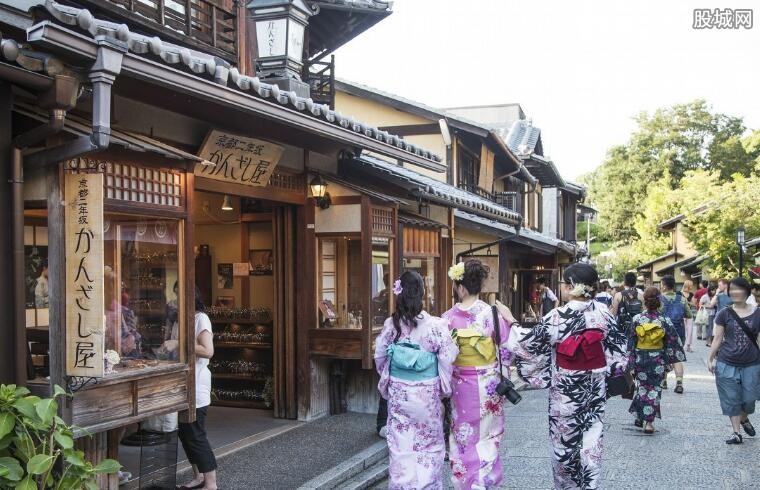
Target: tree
{"x":666,"y":146}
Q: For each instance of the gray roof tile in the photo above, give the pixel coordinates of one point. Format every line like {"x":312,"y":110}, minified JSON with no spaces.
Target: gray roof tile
{"x":429,"y":187}
{"x":220,"y":71}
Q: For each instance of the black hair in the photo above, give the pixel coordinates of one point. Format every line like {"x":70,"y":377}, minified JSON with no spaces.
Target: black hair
{"x":705,"y":283}
{"x":199,"y":306}
{"x":44,"y":264}
{"x":652,"y":299}
{"x":580,"y":273}
{"x":475,"y":273}
{"x":668,"y":281}
{"x":630,"y":279}
{"x":605,"y":285}
{"x":409,"y":302}
{"x":740,"y":283}
{"x":541,"y":280}
{"x":755,"y":286}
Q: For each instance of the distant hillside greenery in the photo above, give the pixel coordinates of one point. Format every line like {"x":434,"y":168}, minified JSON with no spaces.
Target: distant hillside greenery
{"x":678,"y":159}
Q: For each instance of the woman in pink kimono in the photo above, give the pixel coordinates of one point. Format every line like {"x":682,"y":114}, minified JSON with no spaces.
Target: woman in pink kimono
{"x":477,"y":411}
{"x":414,"y":355}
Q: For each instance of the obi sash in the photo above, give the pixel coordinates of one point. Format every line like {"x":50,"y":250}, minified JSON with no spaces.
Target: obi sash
{"x":474,"y":349}
{"x":410,"y":363}
{"x":650,"y":336}
{"x":582,"y":352}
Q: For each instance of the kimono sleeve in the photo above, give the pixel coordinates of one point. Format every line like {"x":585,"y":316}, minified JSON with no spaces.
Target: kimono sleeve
{"x":631,"y":340}
{"x":532,"y":351}
{"x":382,"y":363}
{"x":447,"y":354}
{"x":615,"y":346}
{"x":673,"y":346}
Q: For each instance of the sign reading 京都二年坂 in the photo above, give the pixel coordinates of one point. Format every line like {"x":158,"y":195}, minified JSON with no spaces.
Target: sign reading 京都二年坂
{"x":84,"y":275}
{"x":238,"y":159}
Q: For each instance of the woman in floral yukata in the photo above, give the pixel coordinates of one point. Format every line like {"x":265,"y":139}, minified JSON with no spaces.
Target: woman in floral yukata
{"x":572,"y":351}
{"x":414,"y":355}
{"x":477,"y":411}
{"x":653,"y":344}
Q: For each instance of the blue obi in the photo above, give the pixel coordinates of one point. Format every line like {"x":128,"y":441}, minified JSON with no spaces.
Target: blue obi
{"x":410,"y":363}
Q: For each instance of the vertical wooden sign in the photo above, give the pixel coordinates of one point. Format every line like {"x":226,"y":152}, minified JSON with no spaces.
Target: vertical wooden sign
{"x":85,"y":328}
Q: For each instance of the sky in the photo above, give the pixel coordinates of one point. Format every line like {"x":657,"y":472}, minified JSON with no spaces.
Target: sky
{"x":580,"y":69}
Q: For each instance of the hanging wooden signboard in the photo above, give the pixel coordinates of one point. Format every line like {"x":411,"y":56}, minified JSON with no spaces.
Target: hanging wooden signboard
{"x":84,"y":275}
{"x":237,"y":159}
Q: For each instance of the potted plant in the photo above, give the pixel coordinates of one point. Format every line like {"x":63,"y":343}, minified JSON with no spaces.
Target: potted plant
{"x":37,"y":447}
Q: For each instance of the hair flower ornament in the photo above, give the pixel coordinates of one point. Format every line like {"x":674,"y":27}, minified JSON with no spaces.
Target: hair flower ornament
{"x":456,"y":272}
{"x":581,"y":290}
{"x":397,"y":289}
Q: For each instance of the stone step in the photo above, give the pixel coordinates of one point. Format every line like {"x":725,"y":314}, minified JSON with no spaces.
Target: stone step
{"x":375,"y":476}
{"x":352,"y":468}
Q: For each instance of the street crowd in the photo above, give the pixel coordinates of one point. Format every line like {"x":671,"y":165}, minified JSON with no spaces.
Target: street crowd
{"x":444,"y":381}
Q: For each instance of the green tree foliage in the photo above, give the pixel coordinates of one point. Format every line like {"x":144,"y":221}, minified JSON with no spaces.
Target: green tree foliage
{"x":666,"y":146}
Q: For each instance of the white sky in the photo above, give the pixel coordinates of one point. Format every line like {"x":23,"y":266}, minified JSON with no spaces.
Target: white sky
{"x":581,"y":69}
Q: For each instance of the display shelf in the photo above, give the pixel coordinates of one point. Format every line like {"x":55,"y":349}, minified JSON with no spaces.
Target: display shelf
{"x":241,"y":404}
{"x":242,"y":345}
{"x":243,"y":377}
{"x":240,"y":322}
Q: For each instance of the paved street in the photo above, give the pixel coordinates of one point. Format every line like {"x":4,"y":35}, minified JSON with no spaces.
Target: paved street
{"x":687,"y":451}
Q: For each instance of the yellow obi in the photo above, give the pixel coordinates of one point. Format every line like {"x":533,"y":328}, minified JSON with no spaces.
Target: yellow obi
{"x":650,"y":336}
{"x":474,"y":349}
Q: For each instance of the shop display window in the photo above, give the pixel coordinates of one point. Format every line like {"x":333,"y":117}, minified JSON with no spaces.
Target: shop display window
{"x":143,"y":291}
{"x":340,"y":283}
{"x":381,"y":281}
{"x":426,"y":267}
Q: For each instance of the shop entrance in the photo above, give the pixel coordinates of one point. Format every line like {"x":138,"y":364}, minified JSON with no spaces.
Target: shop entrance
{"x":244,"y":251}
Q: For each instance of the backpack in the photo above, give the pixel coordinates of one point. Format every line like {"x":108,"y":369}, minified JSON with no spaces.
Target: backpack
{"x":630,"y":306}
{"x":674,"y":309}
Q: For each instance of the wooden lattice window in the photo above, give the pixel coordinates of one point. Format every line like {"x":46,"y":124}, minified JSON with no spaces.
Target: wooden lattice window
{"x":288,"y":182}
{"x":382,"y":221}
{"x":421,"y":242}
{"x":153,"y":186}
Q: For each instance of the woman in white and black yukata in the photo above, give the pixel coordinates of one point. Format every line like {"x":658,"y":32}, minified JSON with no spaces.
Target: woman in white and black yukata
{"x":572,"y":351}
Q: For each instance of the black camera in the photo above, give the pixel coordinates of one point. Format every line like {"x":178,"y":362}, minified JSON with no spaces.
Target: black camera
{"x":507,"y":389}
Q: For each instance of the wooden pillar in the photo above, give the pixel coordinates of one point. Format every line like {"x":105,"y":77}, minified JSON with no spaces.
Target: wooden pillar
{"x":8,"y":329}
{"x":306,"y":304}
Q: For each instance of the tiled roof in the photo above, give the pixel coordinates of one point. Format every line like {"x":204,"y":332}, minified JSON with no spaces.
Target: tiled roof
{"x":221,"y":72}
{"x":11,"y":51}
{"x":363,"y":4}
{"x":753,"y":242}
{"x":692,"y":260}
{"x":522,"y":137}
{"x":525,"y":235}
{"x":440,"y":191}
{"x":413,"y":220}
{"x":672,"y":253}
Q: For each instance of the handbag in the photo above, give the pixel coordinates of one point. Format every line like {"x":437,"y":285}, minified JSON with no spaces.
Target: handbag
{"x":621,"y":385}
{"x":702,"y":316}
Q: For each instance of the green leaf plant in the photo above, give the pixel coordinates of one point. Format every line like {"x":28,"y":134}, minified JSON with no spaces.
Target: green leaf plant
{"x":37,"y":447}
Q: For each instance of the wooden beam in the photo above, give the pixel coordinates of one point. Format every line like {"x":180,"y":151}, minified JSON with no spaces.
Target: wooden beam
{"x":412,"y":129}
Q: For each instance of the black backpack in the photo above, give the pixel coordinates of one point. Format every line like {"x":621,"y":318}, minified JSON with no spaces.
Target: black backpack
{"x":630,"y":306}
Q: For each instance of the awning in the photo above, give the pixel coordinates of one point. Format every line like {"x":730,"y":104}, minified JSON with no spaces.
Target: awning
{"x":79,"y":126}
{"x":529,"y":238}
{"x":436,"y":191}
{"x":378,"y":196}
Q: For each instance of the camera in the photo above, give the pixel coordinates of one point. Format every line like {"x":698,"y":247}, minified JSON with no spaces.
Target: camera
{"x":506,"y":389}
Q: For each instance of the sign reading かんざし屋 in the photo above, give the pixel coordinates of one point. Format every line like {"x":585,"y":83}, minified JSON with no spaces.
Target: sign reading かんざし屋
{"x":238,"y":159}
{"x":84,"y":275}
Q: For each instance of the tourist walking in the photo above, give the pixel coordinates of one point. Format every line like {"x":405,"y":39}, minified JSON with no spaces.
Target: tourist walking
{"x":627,"y":303}
{"x":653,"y":344}
{"x":477,"y":410}
{"x":676,"y":308}
{"x":572,"y":352}
{"x":603,"y":295}
{"x":193,"y":435}
{"x":547,"y":299}
{"x":414,"y":355}
{"x":721,"y":299}
{"x":706,"y":303}
{"x":735,"y":359}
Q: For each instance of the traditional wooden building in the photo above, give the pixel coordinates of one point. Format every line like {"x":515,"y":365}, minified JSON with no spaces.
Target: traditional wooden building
{"x":152,"y":148}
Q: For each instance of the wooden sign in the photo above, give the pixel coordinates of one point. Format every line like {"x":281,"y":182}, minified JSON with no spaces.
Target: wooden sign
{"x":84,"y":275}
{"x":238,"y":159}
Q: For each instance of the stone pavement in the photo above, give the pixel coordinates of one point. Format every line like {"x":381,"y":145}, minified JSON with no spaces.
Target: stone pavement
{"x":686,"y":452}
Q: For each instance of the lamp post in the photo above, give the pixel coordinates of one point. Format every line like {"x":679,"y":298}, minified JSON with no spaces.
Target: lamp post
{"x":740,"y":240}
{"x":279,"y":27}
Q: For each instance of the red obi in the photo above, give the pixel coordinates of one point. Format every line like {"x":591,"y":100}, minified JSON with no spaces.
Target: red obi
{"x":582,"y":352}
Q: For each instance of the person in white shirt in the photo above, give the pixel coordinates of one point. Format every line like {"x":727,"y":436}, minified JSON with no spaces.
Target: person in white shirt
{"x":549,"y":300}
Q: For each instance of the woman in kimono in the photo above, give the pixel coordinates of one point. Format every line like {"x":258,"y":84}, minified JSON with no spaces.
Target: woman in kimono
{"x":414,"y":355}
{"x":653,"y":344}
{"x":477,"y":411}
{"x":572,"y":351}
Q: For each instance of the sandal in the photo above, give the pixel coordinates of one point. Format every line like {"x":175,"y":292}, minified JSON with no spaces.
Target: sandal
{"x":649,"y":429}
{"x":735,"y":439}
{"x":185,"y":487}
{"x":748,"y":428}
{"x":679,"y":389}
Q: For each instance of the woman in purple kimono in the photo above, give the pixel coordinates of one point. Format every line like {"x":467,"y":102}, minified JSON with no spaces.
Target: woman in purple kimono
{"x":477,"y":411}
{"x":571,"y":352}
{"x":414,"y":355}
